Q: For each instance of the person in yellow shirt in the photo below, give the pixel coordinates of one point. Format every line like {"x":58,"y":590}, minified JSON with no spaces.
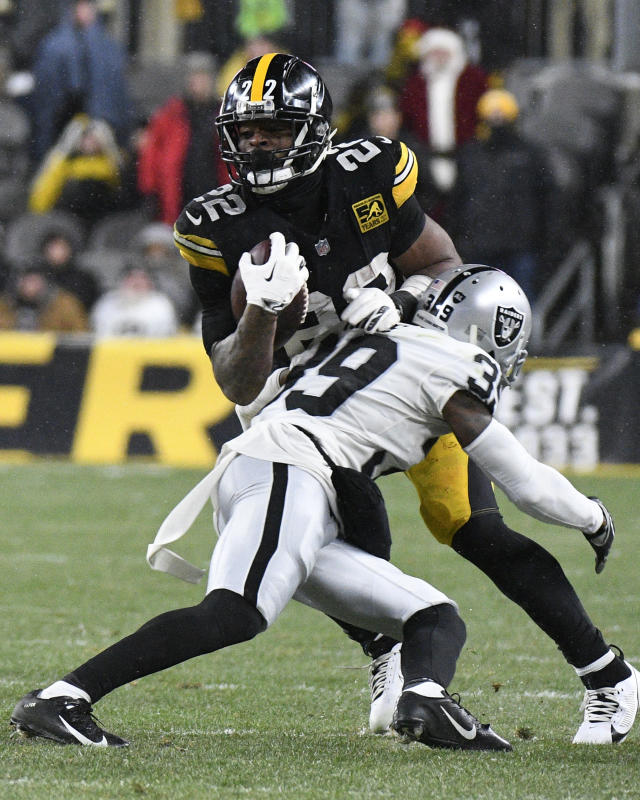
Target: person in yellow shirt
{"x":81,"y":173}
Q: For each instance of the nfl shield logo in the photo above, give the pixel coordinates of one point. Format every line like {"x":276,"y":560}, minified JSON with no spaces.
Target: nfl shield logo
{"x":507,"y":326}
{"x":322,"y":247}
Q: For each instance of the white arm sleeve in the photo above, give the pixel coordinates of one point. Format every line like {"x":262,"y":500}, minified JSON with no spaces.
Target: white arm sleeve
{"x":535,"y":488}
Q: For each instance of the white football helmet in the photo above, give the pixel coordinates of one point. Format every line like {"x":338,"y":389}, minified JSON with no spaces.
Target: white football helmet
{"x":482,"y":305}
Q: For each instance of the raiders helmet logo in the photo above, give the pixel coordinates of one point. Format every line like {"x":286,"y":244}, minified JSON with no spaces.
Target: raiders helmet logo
{"x":507,"y":326}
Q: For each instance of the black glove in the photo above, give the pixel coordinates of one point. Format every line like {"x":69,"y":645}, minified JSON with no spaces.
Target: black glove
{"x":602,"y":539}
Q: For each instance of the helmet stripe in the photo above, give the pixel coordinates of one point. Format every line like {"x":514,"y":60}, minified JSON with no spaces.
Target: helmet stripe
{"x":453,"y":284}
{"x":257,"y":86}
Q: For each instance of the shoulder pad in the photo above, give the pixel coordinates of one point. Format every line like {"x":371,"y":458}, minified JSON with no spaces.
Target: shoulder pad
{"x":391,"y":163}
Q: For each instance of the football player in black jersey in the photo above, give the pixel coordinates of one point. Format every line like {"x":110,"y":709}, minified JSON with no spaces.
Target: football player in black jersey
{"x":370,"y":251}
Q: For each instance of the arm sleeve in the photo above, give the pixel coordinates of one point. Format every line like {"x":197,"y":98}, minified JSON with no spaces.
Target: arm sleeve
{"x":535,"y":488}
{"x":410,"y":224}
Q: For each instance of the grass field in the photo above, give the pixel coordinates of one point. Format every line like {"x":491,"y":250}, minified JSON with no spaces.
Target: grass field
{"x":284,"y":716}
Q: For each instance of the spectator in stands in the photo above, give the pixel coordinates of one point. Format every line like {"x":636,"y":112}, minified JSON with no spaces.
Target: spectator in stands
{"x":4,"y":272}
{"x":81,"y":173}
{"x":78,"y":67}
{"x":253,"y":47}
{"x":14,"y":147}
{"x":179,"y":155}
{"x":382,"y":117}
{"x":134,"y":308}
{"x":261,"y":17}
{"x":156,"y":251}
{"x":27,"y":24}
{"x":32,"y":302}
{"x":501,"y":196}
{"x":365,"y":30}
{"x":58,"y":254}
{"x":404,"y":57}
{"x":439,"y":99}
{"x":567,"y":19}
{"x":129,"y":197}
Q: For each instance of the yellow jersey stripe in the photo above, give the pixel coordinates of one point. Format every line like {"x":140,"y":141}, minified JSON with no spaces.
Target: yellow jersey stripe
{"x":198,"y":243}
{"x":204,"y":262}
{"x":200,"y":252}
{"x":406,"y":179}
{"x":257,"y":87}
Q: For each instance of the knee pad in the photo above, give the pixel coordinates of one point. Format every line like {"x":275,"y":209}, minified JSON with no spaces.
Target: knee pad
{"x":443,"y":619}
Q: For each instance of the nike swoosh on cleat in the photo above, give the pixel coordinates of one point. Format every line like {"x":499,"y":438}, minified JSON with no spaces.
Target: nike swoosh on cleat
{"x":196,"y":220}
{"x":81,"y":737}
{"x":468,"y":734}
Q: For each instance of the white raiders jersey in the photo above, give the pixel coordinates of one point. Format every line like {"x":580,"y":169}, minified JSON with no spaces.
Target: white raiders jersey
{"x":373,"y":401}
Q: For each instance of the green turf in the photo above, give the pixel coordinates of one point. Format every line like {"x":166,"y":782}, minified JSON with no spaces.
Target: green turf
{"x":284,"y":716}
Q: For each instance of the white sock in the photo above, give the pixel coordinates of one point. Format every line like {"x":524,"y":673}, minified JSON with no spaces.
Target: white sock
{"x":599,"y":664}
{"x":63,"y":689}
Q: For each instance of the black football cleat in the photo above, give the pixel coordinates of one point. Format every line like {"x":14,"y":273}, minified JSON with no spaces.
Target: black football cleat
{"x":66,"y":720}
{"x":602,"y":539}
{"x":427,"y":713}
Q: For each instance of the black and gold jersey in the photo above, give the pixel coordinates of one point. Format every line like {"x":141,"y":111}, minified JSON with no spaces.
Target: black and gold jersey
{"x":368,"y":214}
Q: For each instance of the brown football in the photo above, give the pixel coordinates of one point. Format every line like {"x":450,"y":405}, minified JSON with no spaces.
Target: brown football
{"x":290,"y":318}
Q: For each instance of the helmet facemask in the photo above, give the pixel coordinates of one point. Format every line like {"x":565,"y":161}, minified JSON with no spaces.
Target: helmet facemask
{"x":266,"y":171}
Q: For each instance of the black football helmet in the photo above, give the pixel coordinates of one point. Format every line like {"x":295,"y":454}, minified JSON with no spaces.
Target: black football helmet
{"x":276,"y":86}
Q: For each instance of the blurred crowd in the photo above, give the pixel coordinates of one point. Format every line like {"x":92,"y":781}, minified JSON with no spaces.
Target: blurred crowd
{"x":512,"y":158}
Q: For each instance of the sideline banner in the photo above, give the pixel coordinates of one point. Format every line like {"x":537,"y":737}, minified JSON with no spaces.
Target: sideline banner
{"x":550,"y":412}
{"x":112,"y":400}
{"x":107,"y":401}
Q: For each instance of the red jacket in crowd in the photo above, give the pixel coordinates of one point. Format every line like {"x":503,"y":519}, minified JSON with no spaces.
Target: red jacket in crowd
{"x":162,"y":157}
{"x":471,"y":84}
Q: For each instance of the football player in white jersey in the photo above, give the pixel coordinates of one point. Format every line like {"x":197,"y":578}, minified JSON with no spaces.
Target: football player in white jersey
{"x":279,"y":518}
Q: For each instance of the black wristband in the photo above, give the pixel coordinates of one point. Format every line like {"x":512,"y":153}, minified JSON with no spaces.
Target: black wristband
{"x":406,"y":304}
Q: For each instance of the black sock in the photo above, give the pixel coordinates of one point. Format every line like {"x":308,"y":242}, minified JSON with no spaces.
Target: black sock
{"x":613,"y":673}
{"x":433,"y":639}
{"x":221,"y":619}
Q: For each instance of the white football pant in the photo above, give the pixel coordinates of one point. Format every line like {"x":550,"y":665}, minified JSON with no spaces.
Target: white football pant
{"x":278,"y":540}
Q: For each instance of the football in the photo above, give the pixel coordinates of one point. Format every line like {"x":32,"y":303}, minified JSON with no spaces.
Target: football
{"x":290,"y":318}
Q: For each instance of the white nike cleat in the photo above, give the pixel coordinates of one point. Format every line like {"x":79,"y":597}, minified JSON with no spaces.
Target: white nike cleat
{"x":66,"y":720}
{"x":427,"y":713}
{"x":609,"y":713}
{"x":385,"y":682}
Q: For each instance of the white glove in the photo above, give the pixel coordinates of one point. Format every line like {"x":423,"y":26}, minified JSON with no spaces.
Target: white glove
{"x":273,"y":285}
{"x":370,"y":309}
{"x":271,"y":388}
